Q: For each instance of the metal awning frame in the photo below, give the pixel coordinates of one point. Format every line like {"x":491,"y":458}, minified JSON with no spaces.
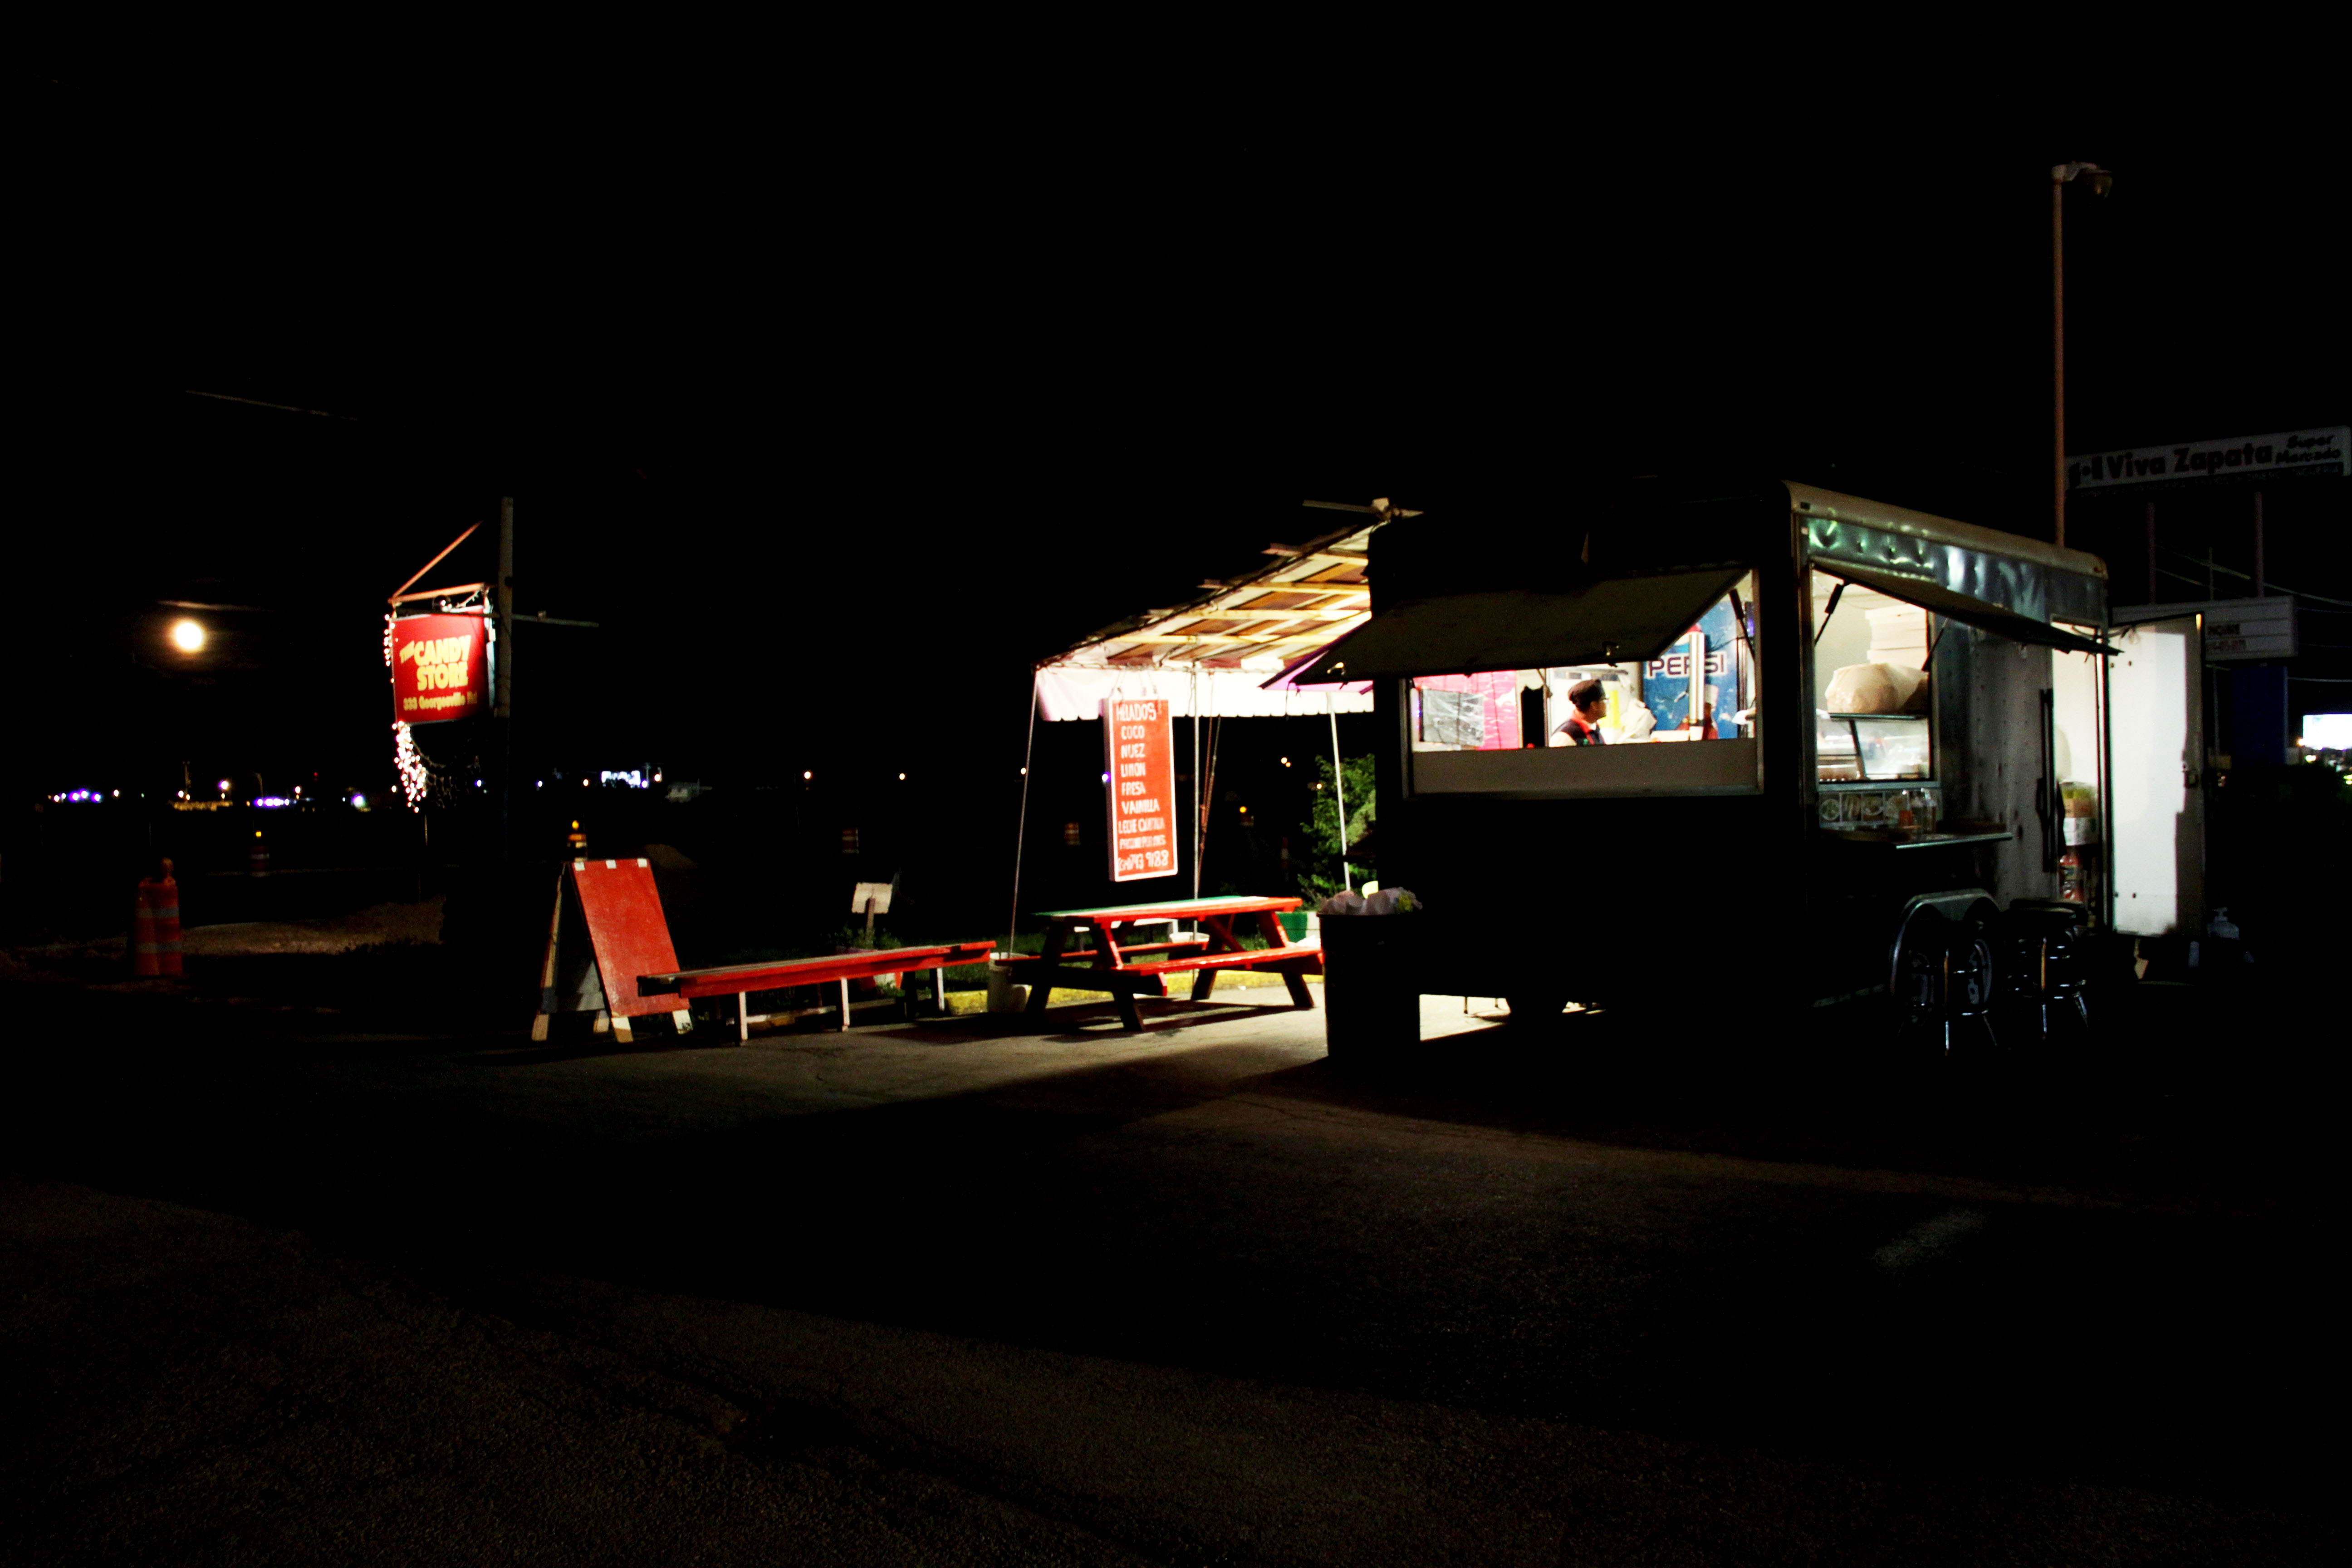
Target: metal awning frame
{"x":1232,"y":627}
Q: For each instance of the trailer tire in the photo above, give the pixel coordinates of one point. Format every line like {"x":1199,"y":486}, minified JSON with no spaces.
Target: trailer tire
{"x":1370,"y":1028}
{"x":1536,"y":1007}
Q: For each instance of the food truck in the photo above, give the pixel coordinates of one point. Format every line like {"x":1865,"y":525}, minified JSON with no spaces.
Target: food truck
{"x":1729,"y":750}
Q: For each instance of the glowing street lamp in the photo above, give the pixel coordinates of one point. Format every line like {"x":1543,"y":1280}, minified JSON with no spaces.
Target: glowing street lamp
{"x":187,"y":637}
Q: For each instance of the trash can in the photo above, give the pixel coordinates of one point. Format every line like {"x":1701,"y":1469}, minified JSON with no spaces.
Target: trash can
{"x":1371,"y":993}
{"x":1004,"y":995}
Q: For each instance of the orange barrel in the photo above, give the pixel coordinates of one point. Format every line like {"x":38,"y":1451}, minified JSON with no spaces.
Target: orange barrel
{"x":155,"y":925}
{"x":142,"y":929}
{"x":256,"y":859}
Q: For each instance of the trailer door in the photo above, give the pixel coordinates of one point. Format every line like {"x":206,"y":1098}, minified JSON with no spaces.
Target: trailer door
{"x":2157,"y":712}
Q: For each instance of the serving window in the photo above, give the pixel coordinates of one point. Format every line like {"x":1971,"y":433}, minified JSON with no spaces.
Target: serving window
{"x":1682,"y":719}
{"x":1873,"y":720}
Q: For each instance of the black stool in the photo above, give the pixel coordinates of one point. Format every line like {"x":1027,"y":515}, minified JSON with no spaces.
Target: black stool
{"x":1944,"y":972}
{"x":2044,"y":939}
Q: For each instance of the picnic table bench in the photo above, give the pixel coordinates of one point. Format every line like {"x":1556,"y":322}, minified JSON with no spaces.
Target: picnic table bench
{"x":773,"y":974}
{"x":1120,"y":968}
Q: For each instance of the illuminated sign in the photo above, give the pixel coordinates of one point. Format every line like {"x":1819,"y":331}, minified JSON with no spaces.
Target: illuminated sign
{"x":2287,"y":453}
{"x":440,"y":667}
{"x":1139,"y":760}
{"x":2236,"y":630}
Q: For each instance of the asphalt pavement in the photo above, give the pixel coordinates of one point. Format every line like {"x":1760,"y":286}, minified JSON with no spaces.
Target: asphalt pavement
{"x":290,"y":1287}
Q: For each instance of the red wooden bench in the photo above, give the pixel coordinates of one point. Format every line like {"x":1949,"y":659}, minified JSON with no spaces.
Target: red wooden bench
{"x":775,"y":974}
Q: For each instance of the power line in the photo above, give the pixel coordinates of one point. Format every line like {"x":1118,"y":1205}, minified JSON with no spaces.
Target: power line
{"x":2242,"y":576}
{"x":281,"y":407}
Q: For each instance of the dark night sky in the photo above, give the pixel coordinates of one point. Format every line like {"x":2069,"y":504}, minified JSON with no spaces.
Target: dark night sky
{"x":837,"y":420}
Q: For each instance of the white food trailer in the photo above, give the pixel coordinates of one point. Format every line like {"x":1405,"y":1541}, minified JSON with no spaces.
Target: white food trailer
{"x":1847,"y":753}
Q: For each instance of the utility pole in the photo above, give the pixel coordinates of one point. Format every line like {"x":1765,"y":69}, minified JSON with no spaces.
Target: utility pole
{"x":2262,"y":589}
{"x":2061,"y":177}
{"x":2058,"y":353}
{"x":502,"y":694}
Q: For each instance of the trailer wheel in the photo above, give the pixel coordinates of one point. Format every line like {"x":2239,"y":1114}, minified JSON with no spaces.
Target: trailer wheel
{"x":1536,"y":1007}
{"x":1370,"y":1027}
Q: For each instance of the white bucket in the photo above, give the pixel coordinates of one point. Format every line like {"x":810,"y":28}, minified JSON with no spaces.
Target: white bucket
{"x":1004,"y":995}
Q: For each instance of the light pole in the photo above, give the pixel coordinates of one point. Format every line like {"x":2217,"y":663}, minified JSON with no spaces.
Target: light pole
{"x":2061,"y":177}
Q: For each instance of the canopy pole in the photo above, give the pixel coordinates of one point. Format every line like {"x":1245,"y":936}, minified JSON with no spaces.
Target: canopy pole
{"x":1339,"y":790}
{"x":1208,"y":801}
{"x":1028,"y":756}
{"x":1196,"y":789}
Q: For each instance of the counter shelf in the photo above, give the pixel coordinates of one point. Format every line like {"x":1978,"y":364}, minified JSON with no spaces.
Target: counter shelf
{"x":1938,"y":838}
{"x":1828,"y":724}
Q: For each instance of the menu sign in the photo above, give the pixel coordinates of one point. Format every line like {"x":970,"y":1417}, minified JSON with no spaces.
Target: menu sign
{"x":440,"y":667}
{"x":1139,"y":755}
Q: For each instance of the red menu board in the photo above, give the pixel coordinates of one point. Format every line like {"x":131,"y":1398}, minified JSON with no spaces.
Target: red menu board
{"x":1139,"y":755}
{"x":440,"y":667}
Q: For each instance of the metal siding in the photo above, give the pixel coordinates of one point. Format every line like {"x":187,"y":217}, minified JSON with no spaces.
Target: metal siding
{"x":2023,"y":586}
{"x":1991,"y":689}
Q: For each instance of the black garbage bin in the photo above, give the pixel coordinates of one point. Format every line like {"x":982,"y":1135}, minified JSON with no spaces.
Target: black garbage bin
{"x":1372,"y":988}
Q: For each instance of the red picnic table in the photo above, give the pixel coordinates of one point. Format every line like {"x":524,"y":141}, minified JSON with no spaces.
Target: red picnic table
{"x":1126,"y":971}
{"x":773,"y":974}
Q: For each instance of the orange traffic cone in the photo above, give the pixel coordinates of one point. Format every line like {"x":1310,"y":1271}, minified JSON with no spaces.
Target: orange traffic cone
{"x":155,"y":924}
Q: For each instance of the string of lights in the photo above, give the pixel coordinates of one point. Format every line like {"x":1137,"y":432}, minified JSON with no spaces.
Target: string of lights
{"x":415,"y":774}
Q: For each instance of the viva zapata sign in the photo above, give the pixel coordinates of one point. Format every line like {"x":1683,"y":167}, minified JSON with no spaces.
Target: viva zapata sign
{"x":1140,"y":755}
{"x":440,"y":667}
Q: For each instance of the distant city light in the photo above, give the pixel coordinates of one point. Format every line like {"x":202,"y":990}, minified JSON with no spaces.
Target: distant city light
{"x":902,"y":778}
{"x":187,"y":637}
{"x":273,"y":801}
{"x":2328,"y":731}
{"x":1106,"y":778}
{"x":224,"y":786}
{"x":805,"y":773}
{"x":360,"y":801}
{"x":634,"y":778}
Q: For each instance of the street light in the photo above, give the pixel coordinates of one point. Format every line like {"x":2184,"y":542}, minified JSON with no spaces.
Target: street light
{"x":188,"y":636}
{"x":2061,"y":177}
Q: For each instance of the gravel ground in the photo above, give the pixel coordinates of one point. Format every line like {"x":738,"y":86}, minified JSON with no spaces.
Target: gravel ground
{"x":381,"y":925}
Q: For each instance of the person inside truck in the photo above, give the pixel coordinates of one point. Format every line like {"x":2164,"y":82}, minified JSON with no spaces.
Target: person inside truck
{"x":1582,"y":726}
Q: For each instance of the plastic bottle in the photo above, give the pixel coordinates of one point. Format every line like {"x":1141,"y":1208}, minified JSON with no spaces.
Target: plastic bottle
{"x":2070,"y":878}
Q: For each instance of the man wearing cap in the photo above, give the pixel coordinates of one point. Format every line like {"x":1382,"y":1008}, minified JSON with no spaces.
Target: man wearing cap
{"x":1583,"y":727}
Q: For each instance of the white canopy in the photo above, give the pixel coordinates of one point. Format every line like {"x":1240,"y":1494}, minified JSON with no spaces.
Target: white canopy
{"x":1230,"y":653}
{"x":1068,"y":692}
